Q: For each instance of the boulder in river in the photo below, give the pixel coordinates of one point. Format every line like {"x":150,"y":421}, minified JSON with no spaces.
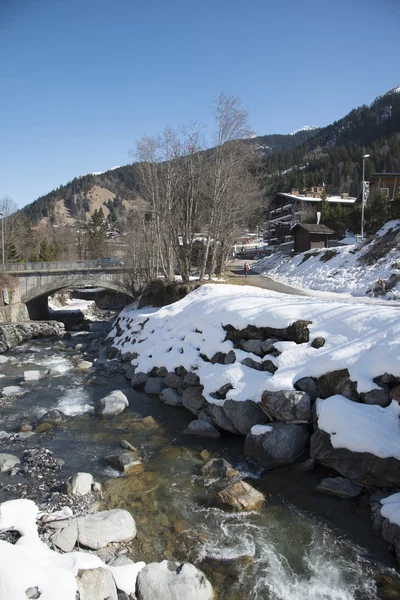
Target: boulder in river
{"x":277,"y":444}
{"x":362,"y":467}
{"x":171,"y":397}
{"x":244,"y":415}
{"x":112,"y":404}
{"x":80,"y":484}
{"x":340,"y":487}
{"x":193,"y":399}
{"x":182,"y":580}
{"x":138,"y":381}
{"x":241,"y":496}
{"x":99,"y":529}
{"x":32,"y":376}
{"x":219,"y":468}
{"x":7,"y":462}
{"x":12,"y":390}
{"x":154,"y":385}
{"x":202,"y":428}
{"x":124,"y":461}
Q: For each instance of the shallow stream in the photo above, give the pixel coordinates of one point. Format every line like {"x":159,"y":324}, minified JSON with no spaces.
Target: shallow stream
{"x":302,"y":546}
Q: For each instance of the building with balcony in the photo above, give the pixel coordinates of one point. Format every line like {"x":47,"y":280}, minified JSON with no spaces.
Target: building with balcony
{"x":287,"y":209}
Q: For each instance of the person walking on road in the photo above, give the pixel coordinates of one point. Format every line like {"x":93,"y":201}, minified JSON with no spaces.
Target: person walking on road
{"x":246,"y":269}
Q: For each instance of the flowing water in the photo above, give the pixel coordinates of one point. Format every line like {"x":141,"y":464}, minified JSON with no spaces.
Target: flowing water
{"x":302,"y":546}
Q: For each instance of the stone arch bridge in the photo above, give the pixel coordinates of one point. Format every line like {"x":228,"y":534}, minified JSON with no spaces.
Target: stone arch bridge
{"x":38,"y":280}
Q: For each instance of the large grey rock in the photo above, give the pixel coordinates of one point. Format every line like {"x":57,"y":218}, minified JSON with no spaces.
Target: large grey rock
{"x":289,"y":405}
{"x":99,"y":529}
{"x":202,"y":428}
{"x":112,"y":404}
{"x":204,"y":415}
{"x":193,"y":399}
{"x":96,"y":584}
{"x":309,"y":385}
{"x":191,"y":379}
{"x":7,"y":462}
{"x":65,"y":539}
{"x":173,"y":581}
{"x":80,"y":484}
{"x":244,"y":415}
{"x":241,"y":496}
{"x":172,"y":380}
{"x":377,"y":396}
{"x":340,"y":487}
{"x":53,"y":416}
{"x":171,"y":397}
{"x":154,"y":385}
{"x":32,"y":376}
{"x":254,"y":346}
{"x":138,"y":381}
{"x":391,"y":533}
{"x":362,"y":467}
{"x":280,"y":446}
{"x":220,"y":417}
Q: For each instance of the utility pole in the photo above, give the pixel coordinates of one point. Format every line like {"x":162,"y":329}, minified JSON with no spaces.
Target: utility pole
{"x":363,"y":197}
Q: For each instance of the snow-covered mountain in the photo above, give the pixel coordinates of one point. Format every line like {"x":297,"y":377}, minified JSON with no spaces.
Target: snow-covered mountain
{"x":305,"y":128}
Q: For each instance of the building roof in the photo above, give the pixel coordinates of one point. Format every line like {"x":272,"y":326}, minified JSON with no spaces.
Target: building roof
{"x":385,"y":175}
{"x":337,"y":199}
{"x":313,"y":228}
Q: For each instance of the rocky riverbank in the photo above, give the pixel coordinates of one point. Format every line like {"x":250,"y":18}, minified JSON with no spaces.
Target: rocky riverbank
{"x":11,"y":335}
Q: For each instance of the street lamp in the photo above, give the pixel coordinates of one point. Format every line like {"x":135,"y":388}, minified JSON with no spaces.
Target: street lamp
{"x":2,"y":237}
{"x":363,"y":197}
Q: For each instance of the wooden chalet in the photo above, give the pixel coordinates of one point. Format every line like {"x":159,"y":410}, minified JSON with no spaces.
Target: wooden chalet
{"x":310,"y":235}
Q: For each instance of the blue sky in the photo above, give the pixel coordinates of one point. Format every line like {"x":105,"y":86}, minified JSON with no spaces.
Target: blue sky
{"x":83,"y":80}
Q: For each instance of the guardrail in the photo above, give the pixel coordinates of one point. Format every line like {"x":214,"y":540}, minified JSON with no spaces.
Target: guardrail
{"x":65,"y":265}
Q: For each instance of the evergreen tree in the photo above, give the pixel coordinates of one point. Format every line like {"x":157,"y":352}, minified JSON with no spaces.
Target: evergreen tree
{"x":96,"y":234}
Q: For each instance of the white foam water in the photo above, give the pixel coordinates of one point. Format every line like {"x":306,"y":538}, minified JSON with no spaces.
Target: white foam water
{"x":75,"y":402}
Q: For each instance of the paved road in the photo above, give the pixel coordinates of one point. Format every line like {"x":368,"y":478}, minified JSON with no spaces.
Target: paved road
{"x":260,"y":281}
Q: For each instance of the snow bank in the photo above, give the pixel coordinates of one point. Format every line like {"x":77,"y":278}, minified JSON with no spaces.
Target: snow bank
{"x":342,"y":273}
{"x":30,"y":563}
{"x":360,"y":427}
{"x":391,"y":508}
{"x":260,"y":429}
{"x":363,"y":338}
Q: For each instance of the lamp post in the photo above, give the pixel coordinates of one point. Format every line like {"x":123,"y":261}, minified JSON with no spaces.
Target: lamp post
{"x":363,"y":197}
{"x":2,"y":238}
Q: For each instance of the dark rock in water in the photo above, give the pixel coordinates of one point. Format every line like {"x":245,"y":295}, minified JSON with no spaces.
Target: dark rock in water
{"x":243,"y":415}
{"x":154,"y":385}
{"x":221,"y":419}
{"x":202,"y":428}
{"x":219,"y":468}
{"x":362,"y":467}
{"x":318,"y":342}
{"x":309,"y":385}
{"x":387,"y":587}
{"x":340,"y":487}
{"x":307,"y":466}
{"x":172,"y":380}
{"x":280,"y":446}
{"x":171,"y":397}
{"x":124,"y":461}
{"x":337,"y":382}
{"x":288,"y":405}
{"x":193,"y":399}
{"x":138,"y":381}
{"x":53,"y":416}
{"x":204,"y":415}
{"x":391,"y":533}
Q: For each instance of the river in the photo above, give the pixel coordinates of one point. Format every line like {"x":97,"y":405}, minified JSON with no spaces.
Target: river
{"x":302,"y":546}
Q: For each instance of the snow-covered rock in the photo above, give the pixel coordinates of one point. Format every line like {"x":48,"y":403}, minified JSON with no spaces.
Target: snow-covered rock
{"x":182,"y":580}
{"x":288,"y":406}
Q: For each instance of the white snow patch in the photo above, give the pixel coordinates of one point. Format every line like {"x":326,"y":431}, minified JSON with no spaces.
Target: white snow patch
{"x":260,"y":429}
{"x":30,"y":563}
{"x":12,"y":390}
{"x":391,"y":508}
{"x":360,"y":427}
{"x":363,"y":338}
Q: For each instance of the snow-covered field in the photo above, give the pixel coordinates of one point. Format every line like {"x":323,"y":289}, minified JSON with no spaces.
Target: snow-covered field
{"x":342,"y":273}
{"x":363,"y":338}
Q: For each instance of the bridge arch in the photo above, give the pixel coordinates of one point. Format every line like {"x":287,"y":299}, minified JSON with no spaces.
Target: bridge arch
{"x":62,"y":283}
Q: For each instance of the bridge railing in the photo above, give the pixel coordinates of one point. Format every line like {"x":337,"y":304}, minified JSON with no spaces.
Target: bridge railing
{"x":67,"y":265}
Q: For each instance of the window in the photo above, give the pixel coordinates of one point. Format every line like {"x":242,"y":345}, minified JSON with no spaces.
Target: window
{"x":385,"y":192}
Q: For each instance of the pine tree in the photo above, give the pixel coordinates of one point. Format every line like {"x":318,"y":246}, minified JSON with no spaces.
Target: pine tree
{"x":96,"y":234}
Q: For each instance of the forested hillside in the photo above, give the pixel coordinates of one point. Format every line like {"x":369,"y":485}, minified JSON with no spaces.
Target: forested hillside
{"x":334,"y":154}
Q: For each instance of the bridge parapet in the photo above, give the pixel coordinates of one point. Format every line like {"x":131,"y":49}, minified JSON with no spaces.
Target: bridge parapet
{"x":65,"y":265}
